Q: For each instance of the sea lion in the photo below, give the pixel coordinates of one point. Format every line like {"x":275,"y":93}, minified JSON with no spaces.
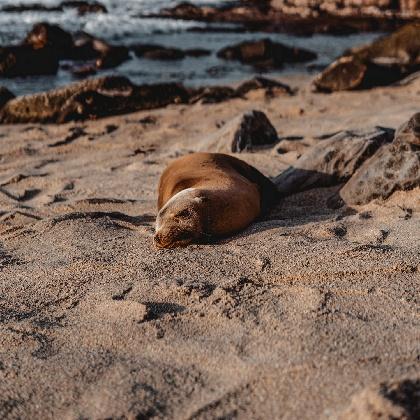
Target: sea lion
{"x":204,"y":195}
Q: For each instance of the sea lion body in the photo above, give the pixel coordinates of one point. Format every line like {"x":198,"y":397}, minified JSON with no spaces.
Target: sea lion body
{"x":203,"y":195}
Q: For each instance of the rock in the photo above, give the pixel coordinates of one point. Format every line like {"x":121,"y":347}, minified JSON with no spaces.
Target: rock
{"x":344,"y":74}
{"x":272,"y":87}
{"x":84,"y":7}
{"x":46,"y":107}
{"x":246,"y":133}
{"x":160,"y":52}
{"x":255,"y":131}
{"x":385,"y":61}
{"x":393,"y":167}
{"x":91,"y":99}
{"x":44,"y":35}
{"x":23,"y":60}
{"x":93,"y":104}
{"x":302,"y":17}
{"x":112,"y":57}
{"x":84,"y":71}
{"x":265,"y":54}
{"x":30,"y":7}
{"x":386,"y":401}
{"x":5,"y":96}
{"x":88,"y":47}
{"x":212,"y":94}
{"x":333,"y":160}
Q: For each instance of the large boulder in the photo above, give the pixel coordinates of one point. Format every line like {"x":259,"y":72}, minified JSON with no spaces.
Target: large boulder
{"x":265,"y":53}
{"x":393,"y":167}
{"x":383,"y":62}
{"x":246,"y":133}
{"x":333,"y":160}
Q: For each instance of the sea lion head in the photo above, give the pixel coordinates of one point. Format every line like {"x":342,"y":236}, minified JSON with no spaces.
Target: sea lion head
{"x":180,"y":221}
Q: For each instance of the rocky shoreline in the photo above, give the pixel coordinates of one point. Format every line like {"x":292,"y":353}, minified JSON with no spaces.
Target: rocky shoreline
{"x":302,"y":17}
{"x":311,"y":312}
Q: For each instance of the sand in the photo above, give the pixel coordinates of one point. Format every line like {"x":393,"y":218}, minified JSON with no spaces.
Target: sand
{"x":291,"y":319}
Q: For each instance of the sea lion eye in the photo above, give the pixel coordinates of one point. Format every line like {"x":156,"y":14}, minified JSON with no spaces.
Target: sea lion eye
{"x":184,"y":213}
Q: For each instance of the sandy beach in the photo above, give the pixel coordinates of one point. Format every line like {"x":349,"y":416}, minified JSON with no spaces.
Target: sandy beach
{"x":301,"y":316}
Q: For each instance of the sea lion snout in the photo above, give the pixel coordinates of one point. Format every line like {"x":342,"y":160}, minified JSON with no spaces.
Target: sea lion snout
{"x":171,"y":238}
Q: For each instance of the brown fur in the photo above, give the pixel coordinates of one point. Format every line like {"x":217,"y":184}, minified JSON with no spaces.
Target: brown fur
{"x":228,"y":195}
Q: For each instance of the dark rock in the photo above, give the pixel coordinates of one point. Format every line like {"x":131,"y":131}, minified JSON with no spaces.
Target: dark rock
{"x":46,"y":107}
{"x":84,"y":71}
{"x":158,"y":52}
{"x":88,"y":47}
{"x":112,"y":57}
{"x":384,"y":62}
{"x":271,"y":86}
{"x":302,"y":18}
{"x":248,"y":132}
{"x":392,"y":168}
{"x":5,"y":96}
{"x":212,"y":94}
{"x":84,"y":7}
{"x":255,"y":131}
{"x":25,"y":61}
{"x":91,"y":99}
{"x":265,"y":54}
{"x":44,"y":35}
{"x":31,"y":7}
{"x":94,"y":104}
{"x":332,"y":161}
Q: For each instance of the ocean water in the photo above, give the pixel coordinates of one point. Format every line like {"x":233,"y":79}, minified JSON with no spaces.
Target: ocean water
{"x":123,"y":25}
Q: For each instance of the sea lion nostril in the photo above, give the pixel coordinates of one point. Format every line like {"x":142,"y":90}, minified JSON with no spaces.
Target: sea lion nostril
{"x":158,"y":238}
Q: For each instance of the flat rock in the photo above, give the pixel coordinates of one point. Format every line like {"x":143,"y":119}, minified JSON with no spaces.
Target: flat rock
{"x":265,"y":53}
{"x":393,"y":167}
{"x":47,"y":106}
{"x":248,"y":132}
{"x":333,"y":160}
{"x":91,"y":99}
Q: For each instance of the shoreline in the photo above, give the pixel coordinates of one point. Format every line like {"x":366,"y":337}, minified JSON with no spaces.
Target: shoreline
{"x":302,"y":300}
